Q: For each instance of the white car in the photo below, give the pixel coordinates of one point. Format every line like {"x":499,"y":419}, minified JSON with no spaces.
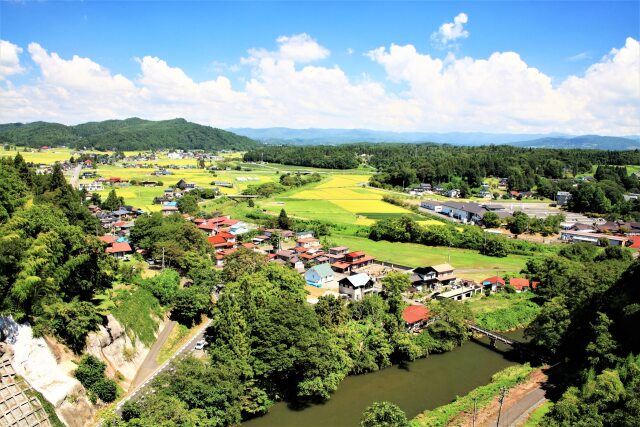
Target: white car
{"x":200,"y":345}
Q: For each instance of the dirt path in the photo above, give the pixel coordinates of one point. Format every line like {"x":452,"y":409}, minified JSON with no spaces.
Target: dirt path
{"x":150,"y":363}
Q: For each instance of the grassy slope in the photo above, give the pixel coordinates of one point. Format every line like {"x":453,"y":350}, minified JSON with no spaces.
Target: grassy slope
{"x":139,"y":312}
{"x":442,"y":415}
{"x":503,"y":312}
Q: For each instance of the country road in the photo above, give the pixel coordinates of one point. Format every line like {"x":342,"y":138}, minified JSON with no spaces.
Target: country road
{"x":76,"y":177}
{"x":141,"y":383}
{"x":150,"y":363}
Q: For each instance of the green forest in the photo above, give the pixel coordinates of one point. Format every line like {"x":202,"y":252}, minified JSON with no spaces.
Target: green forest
{"x":132,"y":134}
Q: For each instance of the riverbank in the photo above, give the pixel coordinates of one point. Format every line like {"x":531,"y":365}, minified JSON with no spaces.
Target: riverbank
{"x":460,"y":411}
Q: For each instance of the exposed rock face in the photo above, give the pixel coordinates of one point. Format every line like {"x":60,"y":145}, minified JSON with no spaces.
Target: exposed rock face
{"x":113,"y":345}
{"x":36,"y":363}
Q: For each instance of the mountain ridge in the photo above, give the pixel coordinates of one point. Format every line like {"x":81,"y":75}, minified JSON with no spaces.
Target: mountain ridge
{"x":312,"y":136}
{"x":130,"y":134}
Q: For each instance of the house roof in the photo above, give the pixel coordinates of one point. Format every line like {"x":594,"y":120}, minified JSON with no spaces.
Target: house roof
{"x":307,"y":240}
{"x":248,"y":245}
{"x":340,"y":265}
{"x":226,"y":235}
{"x":415,"y":313}
{"x":170,"y":208}
{"x":107,"y":239}
{"x":217,"y":239}
{"x":118,"y":247}
{"x":362,"y":260}
{"x":323,"y":270}
{"x":441,"y":268}
{"x":494,"y":280}
{"x":207,"y":226}
{"x":519,"y":283}
{"x":635,"y":242}
{"x":355,"y":254}
{"x":339,"y":248}
{"x":473,"y":208}
{"x":357,"y":280}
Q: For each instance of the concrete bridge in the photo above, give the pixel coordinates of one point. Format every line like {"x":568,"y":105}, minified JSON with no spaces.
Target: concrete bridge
{"x":493,"y":337}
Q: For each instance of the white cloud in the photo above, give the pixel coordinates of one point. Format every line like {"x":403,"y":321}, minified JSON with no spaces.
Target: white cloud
{"x":298,"y":48}
{"x":449,"y":32}
{"x":9,"y":59}
{"x":579,"y":57}
{"x":501,"y":93}
{"x":350,"y":51}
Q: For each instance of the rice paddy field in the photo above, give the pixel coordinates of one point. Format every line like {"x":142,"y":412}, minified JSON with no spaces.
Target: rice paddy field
{"x":339,"y":198}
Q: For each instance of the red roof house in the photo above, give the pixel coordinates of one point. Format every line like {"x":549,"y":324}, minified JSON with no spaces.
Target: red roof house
{"x":119,"y":249}
{"x":415,"y":313}
{"x":108,"y":239}
{"x":520,"y":284}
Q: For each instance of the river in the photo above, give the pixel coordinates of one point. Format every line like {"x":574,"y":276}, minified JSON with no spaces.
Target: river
{"x":423,"y":384}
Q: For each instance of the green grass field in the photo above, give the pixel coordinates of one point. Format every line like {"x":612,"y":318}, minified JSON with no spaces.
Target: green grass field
{"x":414,"y":255}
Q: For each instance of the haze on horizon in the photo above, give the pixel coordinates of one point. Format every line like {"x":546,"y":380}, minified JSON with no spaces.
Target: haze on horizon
{"x":430,"y":67}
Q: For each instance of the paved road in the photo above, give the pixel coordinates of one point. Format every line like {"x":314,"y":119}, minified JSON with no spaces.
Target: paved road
{"x":186,"y":348}
{"x":150,"y":363}
{"x":514,"y":415}
{"x":75,"y":177}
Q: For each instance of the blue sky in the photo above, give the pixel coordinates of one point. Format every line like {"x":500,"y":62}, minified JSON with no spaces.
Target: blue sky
{"x":206,"y":40}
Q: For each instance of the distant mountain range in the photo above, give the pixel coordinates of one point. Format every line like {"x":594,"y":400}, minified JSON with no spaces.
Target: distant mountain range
{"x":130,"y":134}
{"x":344,"y":136}
{"x":138,"y":134}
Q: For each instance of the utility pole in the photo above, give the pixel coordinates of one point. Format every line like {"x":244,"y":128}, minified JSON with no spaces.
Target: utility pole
{"x":475,"y":399}
{"x":163,"y":257}
{"x":503,"y":391}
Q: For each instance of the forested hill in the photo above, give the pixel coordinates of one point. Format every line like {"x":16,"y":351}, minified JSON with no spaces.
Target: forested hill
{"x":584,"y":142}
{"x":130,"y":134}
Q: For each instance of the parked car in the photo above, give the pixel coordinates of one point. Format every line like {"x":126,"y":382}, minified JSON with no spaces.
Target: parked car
{"x":200,"y":345}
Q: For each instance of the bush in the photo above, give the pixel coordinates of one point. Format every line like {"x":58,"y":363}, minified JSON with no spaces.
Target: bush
{"x":105,"y":389}
{"x":164,"y":286}
{"x":130,"y":410}
{"x":90,"y":370}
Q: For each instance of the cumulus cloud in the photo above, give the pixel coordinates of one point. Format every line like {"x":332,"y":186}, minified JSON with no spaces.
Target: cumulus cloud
{"x":299,"y":48}
{"x":9,"y":59}
{"x":498,"y":93}
{"x":450,"y":32}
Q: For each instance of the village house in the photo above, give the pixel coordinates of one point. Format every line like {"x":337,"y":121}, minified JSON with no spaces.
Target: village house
{"x":352,"y":261}
{"x":307,"y":242}
{"x":415,"y":317}
{"x":319,"y":275}
{"x":168,"y":210}
{"x":592,"y":238}
{"x":120,"y":250}
{"x":357,"y":286}
{"x":432,"y":277}
{"x":522,"y":285}
{"x":460,"y":293}
{"x":91,"y":186}
{"x":493,"y":283}
{"x":563,"y":197}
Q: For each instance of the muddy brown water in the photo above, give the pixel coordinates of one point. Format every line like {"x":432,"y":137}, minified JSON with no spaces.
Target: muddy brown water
{"x":423,"y":384}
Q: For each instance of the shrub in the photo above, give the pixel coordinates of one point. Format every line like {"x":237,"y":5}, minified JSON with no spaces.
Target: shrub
{"x":105,"y":389}
{"x":90,"y":370}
